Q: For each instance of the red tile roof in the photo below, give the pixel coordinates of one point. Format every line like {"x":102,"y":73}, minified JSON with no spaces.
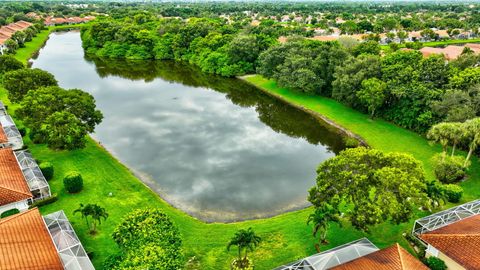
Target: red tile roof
{"x":391,"y":258}
{"x":25,"y":243}
{"x":13,"y":187}
{"x":460,"y":241}
{"x":450,"y":52}
{"x":3,"y":136}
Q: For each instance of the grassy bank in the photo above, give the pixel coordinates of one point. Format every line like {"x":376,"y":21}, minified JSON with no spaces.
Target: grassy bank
{"x":377,"y":133}
{"x":285,"y":237}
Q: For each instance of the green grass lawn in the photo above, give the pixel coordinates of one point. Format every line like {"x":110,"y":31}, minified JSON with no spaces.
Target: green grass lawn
{"x":285,"y":237}
{"x":439,"y":43}
{"x":24,"y":54}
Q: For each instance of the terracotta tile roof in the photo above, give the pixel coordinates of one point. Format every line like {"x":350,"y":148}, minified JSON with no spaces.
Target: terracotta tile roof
{"x":473,"y":45}
{"x":25,"y":243}
{"x":3,"y":136}
{"x":24,"y":24}
{"x":391,"y":258}
{"x":13,"y":187}
{"x":450,"y":52}
{"x":460,"y":241}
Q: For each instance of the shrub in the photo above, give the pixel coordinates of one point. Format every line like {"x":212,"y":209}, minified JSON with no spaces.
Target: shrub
{"x":9,"y":213}
{"x":453,"y":192}
{"x":350,"y":142}
{"x":45,"y":201}
{"x":9,"y":63}
{"x":449,"y":169}
{"x":23,"y":131}
{"x":73,"y":182}
{"x":435,"y":263}
{"x":149,"y":240}
{"x":47,"y":170}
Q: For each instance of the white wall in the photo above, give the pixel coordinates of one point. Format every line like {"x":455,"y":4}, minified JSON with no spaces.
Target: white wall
{"x":21,"y":205}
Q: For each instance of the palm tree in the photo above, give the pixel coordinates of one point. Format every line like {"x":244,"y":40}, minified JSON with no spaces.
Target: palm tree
{"x":321,"y":219}
{"x":472,"y":127}
{"x":245,"y":240}
{"x":95,"y":211}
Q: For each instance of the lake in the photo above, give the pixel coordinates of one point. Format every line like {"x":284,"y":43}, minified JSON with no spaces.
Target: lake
{"x":217,"y":148}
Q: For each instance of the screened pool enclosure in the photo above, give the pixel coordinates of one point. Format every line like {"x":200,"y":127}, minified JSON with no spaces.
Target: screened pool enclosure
{"x":14,"y":138}
{"x":446,"y":217}
{"x":66,"y":242}
{"x":33,"y":175}
{"x":333,"y":257}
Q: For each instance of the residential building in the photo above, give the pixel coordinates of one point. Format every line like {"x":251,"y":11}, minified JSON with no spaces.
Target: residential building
{"x":452,"y":235}
{"x":450,"y":52}
{"x":30,"y":241}
{"x":21,"y":180}
{"x":51,"y":21}
{"x":358,"y":255}
{"x":7,"y":31}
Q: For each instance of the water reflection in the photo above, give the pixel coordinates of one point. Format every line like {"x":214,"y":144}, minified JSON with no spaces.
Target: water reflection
{"x":197,"y":139}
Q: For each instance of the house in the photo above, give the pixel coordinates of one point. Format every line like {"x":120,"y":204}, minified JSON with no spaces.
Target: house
{"x":450,"y":52}
{"x":6,"y":32}
{"x":33,"y":15}
{"x":358,"y":255}
{"x":50,"y":21}
{"x":30,"y":241}
{"x":9,"y":134}
{"x":21,"y":180}
{"x":390,"y":258}
{"x":14,"y":190}
{"x":452,"y":235}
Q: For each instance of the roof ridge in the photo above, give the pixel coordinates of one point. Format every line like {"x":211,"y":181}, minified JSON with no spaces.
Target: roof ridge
{"x":399,"y":251}
{"x":16,"y":191}
{"x":6,"y":219}
{"x":452,"y":234}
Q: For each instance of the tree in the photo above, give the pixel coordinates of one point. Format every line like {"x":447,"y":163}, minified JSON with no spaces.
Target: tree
{"x":148,"y":239}
{"x":19,"y":37}
{"x":472,"y":134}
{"x":93,"y":212}
{"x":455,"y":106}
{"x":440,"y":133}
{"x":321,"y":219}
{"x":64,"y":131}
{"x":9,"y":63}
{"x":402,"y":35}
{"x":372,"y":94}
{"x":374,"y":186}
{"x":11,"y":46}
{"x":19,"y":82}
{"x":349,"y":77}
{"x":367,"y":47}
{"x":436,"y":194}
{"x":244,"y":240}
{"x":428,"y":34}
{"x":62,"y":117}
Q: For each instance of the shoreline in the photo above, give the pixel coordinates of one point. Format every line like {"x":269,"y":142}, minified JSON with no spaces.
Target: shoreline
{"x":313,"y":113}
{"x":209,"y":219}
{"x":289,"y":229}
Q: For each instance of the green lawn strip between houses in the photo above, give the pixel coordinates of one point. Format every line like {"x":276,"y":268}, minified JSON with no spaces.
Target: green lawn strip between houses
{"x":285,"y":237}
{"x":439,"y":43}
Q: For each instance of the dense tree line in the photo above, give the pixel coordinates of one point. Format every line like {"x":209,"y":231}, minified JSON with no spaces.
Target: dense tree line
{"x":211,"y":44}
{"x":403,"y":87}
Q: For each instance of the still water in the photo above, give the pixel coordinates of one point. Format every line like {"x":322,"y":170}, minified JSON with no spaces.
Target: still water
{"x":217,"y":148}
